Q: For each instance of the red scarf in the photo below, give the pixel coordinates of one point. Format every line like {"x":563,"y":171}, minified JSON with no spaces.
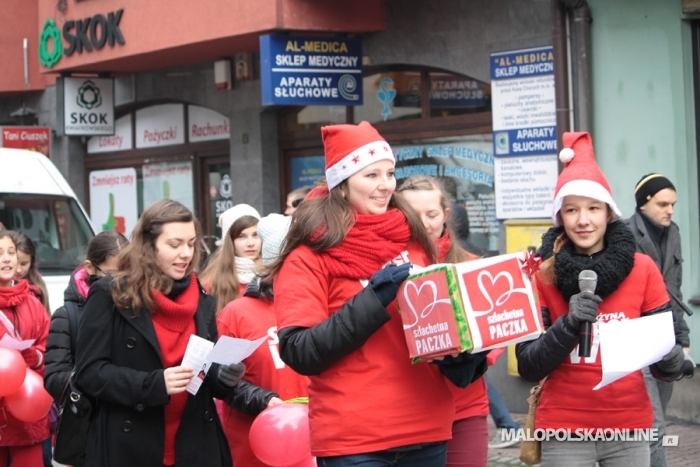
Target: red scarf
{"x":443,"y":246}
{"x":174,"y":323}
{"x":369,"y":244}
{"x":13,"y":296}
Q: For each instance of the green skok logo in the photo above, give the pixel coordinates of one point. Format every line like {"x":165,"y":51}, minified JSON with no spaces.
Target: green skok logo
{"x":50,"y":56}
{"x":89,"y":96}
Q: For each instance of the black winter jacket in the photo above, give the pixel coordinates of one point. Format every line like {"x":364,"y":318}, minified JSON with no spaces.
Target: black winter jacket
{"x":119,"y":363}
{"x":60,"y":356}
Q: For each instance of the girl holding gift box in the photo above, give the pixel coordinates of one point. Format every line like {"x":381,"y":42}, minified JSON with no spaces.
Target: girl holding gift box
{"x":469,"y":444}
{"x":347,"y":252}
{"x":589,"y":236}
{"x":236,"y":262}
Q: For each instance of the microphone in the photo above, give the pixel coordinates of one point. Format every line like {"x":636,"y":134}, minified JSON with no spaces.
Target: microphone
{"x":587,"y":281}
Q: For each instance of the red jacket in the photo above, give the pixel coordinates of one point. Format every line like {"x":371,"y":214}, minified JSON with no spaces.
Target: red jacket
{"x":30,"y":321}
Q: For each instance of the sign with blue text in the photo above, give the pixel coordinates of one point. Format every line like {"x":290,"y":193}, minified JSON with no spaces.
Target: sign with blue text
{"x":524,"y":132}
{"x":306,"y":170}
{"x":313,"y":70}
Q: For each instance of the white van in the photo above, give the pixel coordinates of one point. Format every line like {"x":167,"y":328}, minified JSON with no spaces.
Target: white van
{"x":35,"y":199}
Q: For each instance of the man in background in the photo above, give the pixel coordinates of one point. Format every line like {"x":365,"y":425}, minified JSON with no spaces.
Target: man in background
{"x":659,"y":237}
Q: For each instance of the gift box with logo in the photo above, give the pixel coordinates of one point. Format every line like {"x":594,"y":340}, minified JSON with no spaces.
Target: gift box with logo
{"x":472,"y":306}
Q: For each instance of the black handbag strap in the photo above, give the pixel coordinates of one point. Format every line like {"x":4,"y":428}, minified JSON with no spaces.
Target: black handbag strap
{"x":73,"y":319}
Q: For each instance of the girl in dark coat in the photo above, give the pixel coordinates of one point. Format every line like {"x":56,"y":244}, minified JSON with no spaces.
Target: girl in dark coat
{"x":130,"y":347}
{"x":102,"y":252}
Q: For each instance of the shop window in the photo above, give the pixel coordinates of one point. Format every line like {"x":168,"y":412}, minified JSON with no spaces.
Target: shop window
{"x":312,"y":117}
{"x":465,"y":165}
{"x":392,"y":95}
{"x":452,"y":94}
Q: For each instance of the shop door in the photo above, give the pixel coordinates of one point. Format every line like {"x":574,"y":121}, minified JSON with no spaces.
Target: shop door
{"x":217,"y":181}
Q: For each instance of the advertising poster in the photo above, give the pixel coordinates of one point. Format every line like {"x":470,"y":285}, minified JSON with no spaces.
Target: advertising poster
{"x":113,"y":200}
{"x":306,"y":170}
{"x":168,"y":180}
{"x":466,"y":167}
{"x":524,"y":132}
{"x":313,"y":70}
{"x":120,"y":141}
{"x":34,"y":138}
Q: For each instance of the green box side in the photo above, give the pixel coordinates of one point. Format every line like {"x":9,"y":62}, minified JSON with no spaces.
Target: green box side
{"x":465,"y":336}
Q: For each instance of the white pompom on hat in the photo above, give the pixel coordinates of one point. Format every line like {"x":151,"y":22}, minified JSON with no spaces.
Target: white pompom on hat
{"x":581,"y":175}
{"x":273,"y":229}
{"x":231,"y":215}
{"x":351,"y":148}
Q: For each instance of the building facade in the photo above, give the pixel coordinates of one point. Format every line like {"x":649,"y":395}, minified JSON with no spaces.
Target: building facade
{"x":181,"y":132}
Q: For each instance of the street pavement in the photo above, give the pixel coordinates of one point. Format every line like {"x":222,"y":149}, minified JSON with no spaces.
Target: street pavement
{"x":686,"y":454}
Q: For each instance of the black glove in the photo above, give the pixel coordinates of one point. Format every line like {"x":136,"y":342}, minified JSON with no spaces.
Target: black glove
{"x":387,"y":280}
{"x":230,"y":375}
{"x":672,"y":361}
{"x":583,"y":307}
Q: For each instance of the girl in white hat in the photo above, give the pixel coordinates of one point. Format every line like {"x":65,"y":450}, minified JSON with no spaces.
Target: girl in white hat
{"x":237,"y":260}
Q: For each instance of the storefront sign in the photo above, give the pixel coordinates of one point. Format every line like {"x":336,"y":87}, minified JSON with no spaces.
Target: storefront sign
{"x":524,"y":125}
{"x":160,"y":125}
{"x":306,"y":170}
{"x":113,"y":200}
{"x":34,"y":138}
{"x":121,"y":141}
{"x":314,"y":70}
{"x":465,"y":167}
{"x":206,"y":124}
{"x":80,"y":35}
{"x":85,"y":106}
{"x":169,"y":180}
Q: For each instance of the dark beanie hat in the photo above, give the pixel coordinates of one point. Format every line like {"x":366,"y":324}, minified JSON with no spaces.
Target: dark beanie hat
{"x":648,"y":186}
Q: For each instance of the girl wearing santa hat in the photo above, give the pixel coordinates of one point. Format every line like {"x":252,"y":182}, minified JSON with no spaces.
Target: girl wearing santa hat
{"x":469,"y":444}
{"x":587,"y":235}
{"x":345,"y":256}
{"x":237,"y":260}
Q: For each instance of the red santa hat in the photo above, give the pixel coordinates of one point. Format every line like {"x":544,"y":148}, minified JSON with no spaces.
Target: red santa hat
{"x":581,"y":175}
{"x":351,"y":148}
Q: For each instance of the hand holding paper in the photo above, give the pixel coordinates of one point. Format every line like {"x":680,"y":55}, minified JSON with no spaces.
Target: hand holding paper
{"x":632,"y":344}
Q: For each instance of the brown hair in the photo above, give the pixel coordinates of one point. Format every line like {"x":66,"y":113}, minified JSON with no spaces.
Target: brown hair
{"x":220,"y":274}
{"x":333,"y":216}
{"x":455,"y":254}
{"x":103,"y":245}
{"x":25,"y":244}
{"x":138,"y":271}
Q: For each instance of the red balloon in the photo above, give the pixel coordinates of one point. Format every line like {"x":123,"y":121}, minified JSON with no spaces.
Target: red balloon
{"x":31,"y":402}
{"x":12,"y":371}
{"x":279,"y":436}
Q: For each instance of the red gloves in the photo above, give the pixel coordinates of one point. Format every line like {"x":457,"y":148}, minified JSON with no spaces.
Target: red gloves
{"x":33,"y":357}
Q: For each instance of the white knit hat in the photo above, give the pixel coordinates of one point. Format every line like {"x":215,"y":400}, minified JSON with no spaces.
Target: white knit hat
{"x":273,"y":229}
{"x":231,"y":215}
